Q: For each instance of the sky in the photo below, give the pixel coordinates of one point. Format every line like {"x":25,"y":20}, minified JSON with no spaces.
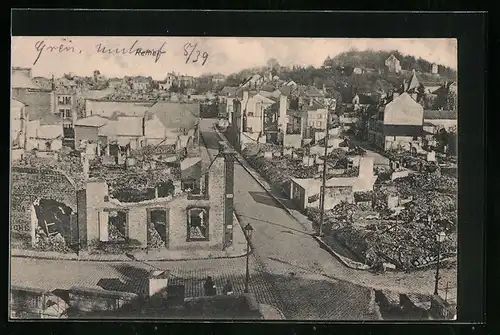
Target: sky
{"x":226,"y":55}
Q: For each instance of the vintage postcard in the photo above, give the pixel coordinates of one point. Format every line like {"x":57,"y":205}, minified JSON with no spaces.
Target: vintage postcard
{"x":233,"y":178}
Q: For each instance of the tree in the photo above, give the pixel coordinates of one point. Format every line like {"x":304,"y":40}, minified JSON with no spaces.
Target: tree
{"x":273,"y":64}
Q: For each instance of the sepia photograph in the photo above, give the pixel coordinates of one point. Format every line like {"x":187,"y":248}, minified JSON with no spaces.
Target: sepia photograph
{"x":241,"y":178}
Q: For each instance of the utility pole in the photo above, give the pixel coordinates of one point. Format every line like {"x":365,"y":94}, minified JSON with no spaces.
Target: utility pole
{"x":322,"y":191}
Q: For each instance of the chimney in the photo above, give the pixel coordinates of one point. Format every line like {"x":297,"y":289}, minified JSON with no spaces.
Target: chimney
{"x":158,"y":281}
{"x":229,"y":156}
{"x":311,"y":102}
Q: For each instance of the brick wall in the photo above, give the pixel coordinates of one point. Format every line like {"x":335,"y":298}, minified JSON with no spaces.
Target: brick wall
{"x":28,"y":184}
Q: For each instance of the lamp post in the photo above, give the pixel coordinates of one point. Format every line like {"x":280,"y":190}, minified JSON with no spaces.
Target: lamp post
{"x":440,"y":238}
{"x":248,"y":234}
{"x":331,"y":106}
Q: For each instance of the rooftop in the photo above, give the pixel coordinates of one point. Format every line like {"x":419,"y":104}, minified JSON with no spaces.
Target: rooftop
{"x":440,"y":115}
{"x":21,"y":79}
{"x":92,"y":121}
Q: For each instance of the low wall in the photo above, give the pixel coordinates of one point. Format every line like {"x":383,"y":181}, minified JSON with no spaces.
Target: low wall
{"x":26,"y":302}
{"x":90,"y":300}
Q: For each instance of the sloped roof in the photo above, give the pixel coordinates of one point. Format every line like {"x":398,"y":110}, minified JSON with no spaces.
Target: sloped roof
{"x":43,"y":82}
{"x":123,"y":126}
{"x":286,"y":90}
{"x":440,"y":115}
{"x":16,"y":103}
{"x":309,"y":91}
{"x":263,"y":99}
{"x":414,"y":83}
{"x":176,"y":115}
{"x":50,"y":119}
{"x":391,"y":57}
{"x":92,"y":121}
{"x":315,"y":105}
{"x":21,"y":79}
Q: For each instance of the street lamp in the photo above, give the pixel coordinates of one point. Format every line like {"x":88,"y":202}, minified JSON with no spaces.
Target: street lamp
{"x":331,"y":106}
{"x":440,"y":238}
{"x":248,"y":234}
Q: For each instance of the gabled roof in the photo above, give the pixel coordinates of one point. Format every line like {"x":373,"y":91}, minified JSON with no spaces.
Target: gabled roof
{"x":391,"y":57}
{"x":440,"y":115}
{"x":413,"y":83}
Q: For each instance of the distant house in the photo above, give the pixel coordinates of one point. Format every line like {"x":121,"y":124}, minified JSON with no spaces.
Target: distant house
{"x":140,"y":83}
{"x":434,"y":69}
{"x":337,"y":189}
{"x":186,"y":81}
{"x":393,"y":64}
{"x":39,"y":101}
{"x":435,"y":120}
{"x":115,"y":82}
{"x":172,"y":123}
{"x":397,"y":124}
{"x":218,"y":78}
{"x":168,"y":82}
{"x":45,"y":134}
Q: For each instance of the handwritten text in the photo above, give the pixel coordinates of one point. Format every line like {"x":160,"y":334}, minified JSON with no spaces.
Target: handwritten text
{"x":193,"y":54}
{"x":132,"y":50}
{"x":41,"y":47}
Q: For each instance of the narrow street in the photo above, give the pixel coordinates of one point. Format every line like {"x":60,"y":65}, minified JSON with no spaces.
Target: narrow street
{"x":293,"y":262}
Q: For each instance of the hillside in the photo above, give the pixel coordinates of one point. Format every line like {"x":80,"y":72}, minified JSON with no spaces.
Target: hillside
{"x":337,"y":73}
{"x":376,"y":60}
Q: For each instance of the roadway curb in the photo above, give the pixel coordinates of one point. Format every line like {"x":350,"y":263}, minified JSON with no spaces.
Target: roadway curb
{"x":344,"y":260}
{"x":14,"y":254}
{"x":284,"y":207}
{"x":358,"y":266}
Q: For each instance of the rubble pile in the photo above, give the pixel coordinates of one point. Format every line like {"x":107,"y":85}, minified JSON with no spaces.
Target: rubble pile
{"x":50,"y":243}
{"x":154,"y":238}
{"x":278,"y":170}
{"x":114,"y":233}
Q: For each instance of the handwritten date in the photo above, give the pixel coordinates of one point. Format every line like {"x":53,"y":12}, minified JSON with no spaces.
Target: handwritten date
{"x":192,"y":54}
